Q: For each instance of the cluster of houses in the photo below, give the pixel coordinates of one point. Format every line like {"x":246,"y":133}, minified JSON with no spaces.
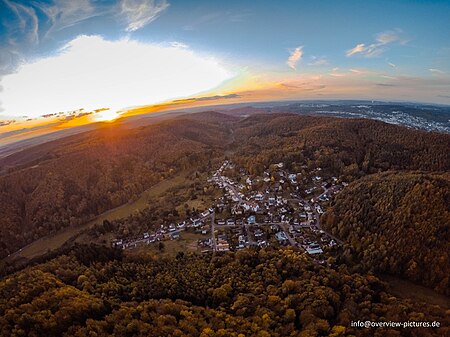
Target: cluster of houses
{"x":273,"y":214}
{"x":245,"y":216}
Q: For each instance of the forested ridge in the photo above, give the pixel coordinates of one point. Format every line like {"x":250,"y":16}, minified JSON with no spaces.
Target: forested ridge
{"x":397,"y":223}
{"x":100,"y":171}
{"x":349,"y":147}
{"x":94,"y":291}
{"x":90,"y":173}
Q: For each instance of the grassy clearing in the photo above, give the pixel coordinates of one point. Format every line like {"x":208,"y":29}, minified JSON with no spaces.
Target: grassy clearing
{"x":417,"y":293}
{"x":51,"y":242}
{"x":186,"y":243}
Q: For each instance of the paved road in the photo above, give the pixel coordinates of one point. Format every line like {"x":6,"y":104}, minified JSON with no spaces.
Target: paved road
{"x":213,"y":235}
{"x":290,"y":239}
{"x":317,"y":218}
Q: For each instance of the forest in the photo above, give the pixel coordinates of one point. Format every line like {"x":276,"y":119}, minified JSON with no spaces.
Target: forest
{"x":96,"y":291}
{"x":393,"y":218}
{"x":90,"y":174}
{"x":66,"y":183}
{"x":398,"y":224}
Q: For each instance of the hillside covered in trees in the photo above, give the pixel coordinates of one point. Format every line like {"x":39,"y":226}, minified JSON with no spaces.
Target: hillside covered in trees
{"x":88,"y":174}
{"x":348,"y":147}
{"x":397,"y":223}
{"x":393,"y":218}
{"x":69,"y":181}
{"x":93,"y":291}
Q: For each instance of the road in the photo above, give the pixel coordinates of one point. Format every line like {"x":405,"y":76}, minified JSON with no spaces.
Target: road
{"x":213,"y":229}
{"x":290,"y":239}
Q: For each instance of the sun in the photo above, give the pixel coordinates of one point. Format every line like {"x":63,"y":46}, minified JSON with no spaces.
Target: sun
{"x":106,"y":116}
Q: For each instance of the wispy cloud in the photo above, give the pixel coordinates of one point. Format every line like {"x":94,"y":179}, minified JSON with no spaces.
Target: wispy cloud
{"x":359,"y":71}
{"x":180,"y":45}
{"x":318,"y":61}
{"x":359,"y":48}
{"x":66,"y":13}
{"x":139,"y":13}
{"x":207,"y":98}
{"x":337,"y":72}
{"x":215,"y":17}
{"x":295,"y":56}
{"x":27,"y":19}
{"x":436,"y":71}
{"x":378,"y":47}
{"x":392,"y":65}
{"x":6,"y":123}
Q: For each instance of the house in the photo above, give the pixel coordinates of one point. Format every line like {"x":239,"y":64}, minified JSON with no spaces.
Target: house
{"x":146,"y":236}
{"x":274,"y":227}
{"x":258,"y":233}
{"x":293,"y":178}
{"x":230,"y":222}
{"x":117,"y":243}
{"x":221,"y":222}
{"x":251,"y":220}
{"x":222,"y":246}
{"x":314,"y":248}
{"x":281,"y":236}
{"x":262,"y":243}
{"x":175,"y":236}
{"x":241,"y":241}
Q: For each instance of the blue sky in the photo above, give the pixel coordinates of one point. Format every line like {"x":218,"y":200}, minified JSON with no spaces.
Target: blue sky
{"x":308,"y":45}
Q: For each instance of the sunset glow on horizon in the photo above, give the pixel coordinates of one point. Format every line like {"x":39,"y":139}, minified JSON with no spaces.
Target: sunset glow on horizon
{"x":69,"y":65}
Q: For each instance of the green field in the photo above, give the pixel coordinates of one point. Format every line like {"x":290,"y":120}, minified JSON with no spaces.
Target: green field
{"x":186,"y":243}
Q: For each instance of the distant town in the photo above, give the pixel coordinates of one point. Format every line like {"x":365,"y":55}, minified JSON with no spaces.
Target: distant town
{"x":246,"y":217}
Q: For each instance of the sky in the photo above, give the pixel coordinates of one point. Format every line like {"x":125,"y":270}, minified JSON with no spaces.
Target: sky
{"x":65,"y":63}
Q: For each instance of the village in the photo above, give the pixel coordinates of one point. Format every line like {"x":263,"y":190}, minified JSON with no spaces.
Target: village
{"x":274,"y":209}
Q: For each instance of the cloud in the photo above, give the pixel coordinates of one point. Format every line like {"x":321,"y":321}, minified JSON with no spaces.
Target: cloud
{"x":93,"y":73}
{"x":177,"y":44}
{"x":358,"y":71}
{"x":385,"y":85}
{"x":139,"y":13}
{"x":359,"y":48}
{"x":305,"y":86}
{"x":436,"y":71}
{"x":217,"y":17}
{"x":379,"y":46}
{"x":5,"y":123}
{"x":318,"y":61}
{"x":295,"y":57}
{"x":66,"y":13}
{"x":336,"y":72}
{"x":207,"y":98}
{"x":391,"y":36}
{"x":28,"y":22}
{"x":392,"y":65}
